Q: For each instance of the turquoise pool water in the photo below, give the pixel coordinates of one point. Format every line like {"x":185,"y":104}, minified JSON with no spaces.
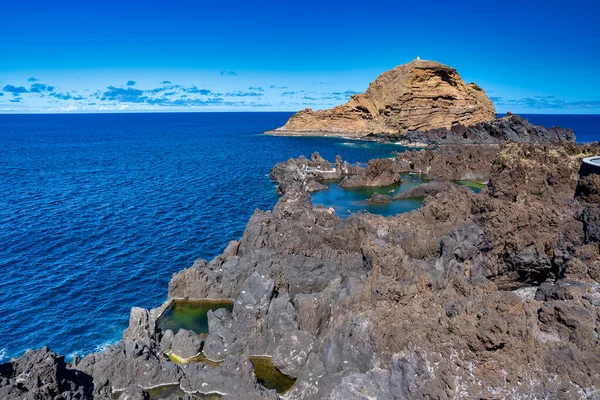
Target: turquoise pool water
{"x":347,"y":201}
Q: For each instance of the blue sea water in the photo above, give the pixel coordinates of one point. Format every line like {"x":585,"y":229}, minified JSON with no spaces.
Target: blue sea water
{"x":98,"y":211}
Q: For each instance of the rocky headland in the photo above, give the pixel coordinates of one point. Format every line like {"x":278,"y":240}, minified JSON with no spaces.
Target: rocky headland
{"x":418,"y":104}
{"x":417,"y":96}
{"x":488,"y":295}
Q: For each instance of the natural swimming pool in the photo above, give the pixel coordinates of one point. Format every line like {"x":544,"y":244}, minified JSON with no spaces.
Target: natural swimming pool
{"x":269,"y":376}
{"x":174,"y":391}
{"x":348,"y":201}
{"x":190,"y":314}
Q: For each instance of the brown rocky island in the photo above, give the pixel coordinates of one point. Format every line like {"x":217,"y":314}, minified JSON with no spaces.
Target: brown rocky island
{"x":483,"y":295}
{"x":418,"y":96}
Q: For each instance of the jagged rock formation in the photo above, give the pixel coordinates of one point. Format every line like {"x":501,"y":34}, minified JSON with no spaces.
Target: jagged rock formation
{"x":454,"y":163}
{"x":489,"y":295}
{"x":417,"y":96}
{"x":510,"y":128}
{"x":424,"y":190}
{"x":43,"y":374}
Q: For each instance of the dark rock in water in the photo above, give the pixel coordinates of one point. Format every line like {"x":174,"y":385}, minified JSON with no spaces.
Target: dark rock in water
{"x":423,"y":190}
{"x":380,"y":198}
{"x":314,"y":186}
{"x":191,"y":315}
{"x":302,"y":172}
{"x":511,"y":128}
{"x":42,"y":374}
{"x":379,"y":172}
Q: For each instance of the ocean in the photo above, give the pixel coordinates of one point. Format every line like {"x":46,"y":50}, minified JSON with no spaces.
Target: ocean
{"x":97,"y":211}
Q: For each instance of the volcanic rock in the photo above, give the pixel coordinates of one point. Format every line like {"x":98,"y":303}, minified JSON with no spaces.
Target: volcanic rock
{"x":420,"y":95}
{"x":380,"y":198}
{"x":379,"y":172}
{"x":221,"y":336}
{"x":510,"y":128}
{"x":423,"y":190}
{"x":186,"y":344}
{"x":488,"y":295}
{"x":43,"y":374}
{"x":134,"y":392}
{"x":454,"y":163}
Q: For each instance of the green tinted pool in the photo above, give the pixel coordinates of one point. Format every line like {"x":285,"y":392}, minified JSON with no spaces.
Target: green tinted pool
{"x":165,"y":392}
{"x":269,"y":376}
{"x":190,"y":314}
{"x":476,"y":186}
{"x":199,"y":358}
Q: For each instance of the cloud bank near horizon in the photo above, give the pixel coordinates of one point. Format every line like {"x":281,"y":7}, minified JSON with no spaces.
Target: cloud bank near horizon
{"x":33,"y":95}
{"x":36,"y":96}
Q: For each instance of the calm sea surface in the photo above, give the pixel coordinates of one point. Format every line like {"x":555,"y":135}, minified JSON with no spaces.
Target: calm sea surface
{"x":98,"y":211}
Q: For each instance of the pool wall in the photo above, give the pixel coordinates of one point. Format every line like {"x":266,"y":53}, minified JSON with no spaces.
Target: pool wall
{"x":590,"y":165}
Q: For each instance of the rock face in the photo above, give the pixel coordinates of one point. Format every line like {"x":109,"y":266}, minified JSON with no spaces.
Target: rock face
{"x":510,"y":128}
{"x":379,"y":173}
{"x":43,"y":374}
{"x":380,"y":198}
{"x":424,"y":190}
{"x":488,"y":295}
{"x":454,"y":163}
{"x":417,"y":96}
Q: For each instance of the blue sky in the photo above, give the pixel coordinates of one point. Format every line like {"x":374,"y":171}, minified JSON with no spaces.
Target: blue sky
{"x":529,"y":56}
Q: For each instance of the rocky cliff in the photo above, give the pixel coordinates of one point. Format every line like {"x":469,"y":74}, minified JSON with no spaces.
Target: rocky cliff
{"x":417,"y":96}
{"x":510,"y":128}
{"x":488,"y":295}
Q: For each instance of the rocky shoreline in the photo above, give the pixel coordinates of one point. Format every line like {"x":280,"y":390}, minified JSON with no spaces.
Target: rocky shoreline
{"x":510,"y":128}
{"x":488,"y":295}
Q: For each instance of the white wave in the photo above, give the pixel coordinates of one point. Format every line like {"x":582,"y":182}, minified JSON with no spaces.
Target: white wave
{"x":71,"y":356}
{"x":102,"y":346}
{"x":3,"y":355}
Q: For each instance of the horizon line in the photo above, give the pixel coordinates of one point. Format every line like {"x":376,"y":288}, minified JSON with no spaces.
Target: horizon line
{"x":227,"y":111}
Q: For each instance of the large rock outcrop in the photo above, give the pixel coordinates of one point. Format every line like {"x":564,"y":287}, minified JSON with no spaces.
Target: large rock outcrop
{"x":417,"y":96}
{"x":488,"y":295}
{"x":42,"y":374}
{"x":510,"y":128}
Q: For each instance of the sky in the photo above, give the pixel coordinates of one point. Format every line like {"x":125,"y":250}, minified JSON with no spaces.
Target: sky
{"x":179,"y":55}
